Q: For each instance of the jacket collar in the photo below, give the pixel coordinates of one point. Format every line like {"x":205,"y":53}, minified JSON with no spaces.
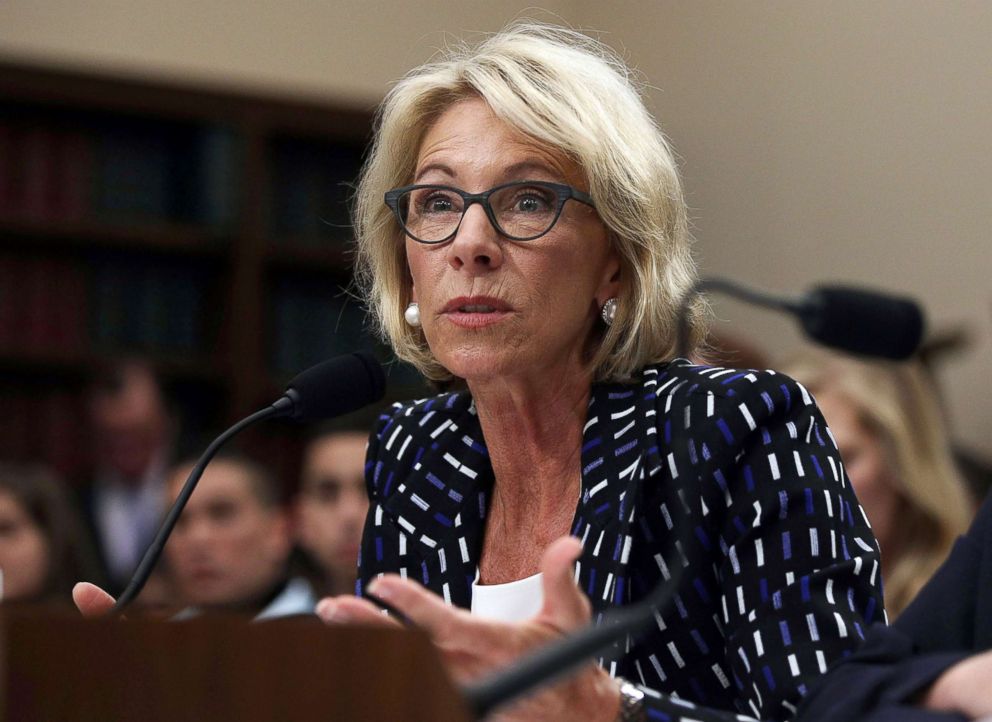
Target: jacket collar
{"x":446,"y":493}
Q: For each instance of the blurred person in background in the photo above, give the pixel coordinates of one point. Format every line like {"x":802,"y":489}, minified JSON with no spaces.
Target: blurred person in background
{"x":887,"y":423}
{"x":133,"y":434}
{"x":43,"y":547}
{"x":332,"y":505}
{"x":231,"y":549}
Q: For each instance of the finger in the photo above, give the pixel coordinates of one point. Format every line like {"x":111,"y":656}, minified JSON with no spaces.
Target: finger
{"x":565,"y":606}
{"x":353,"y":610}
{"x":91,"y":601}
{"x":422,"y":607}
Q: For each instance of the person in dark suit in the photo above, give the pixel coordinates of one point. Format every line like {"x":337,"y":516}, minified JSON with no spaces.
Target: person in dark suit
{"x":934,"y":662}
{"x":531,"y":251}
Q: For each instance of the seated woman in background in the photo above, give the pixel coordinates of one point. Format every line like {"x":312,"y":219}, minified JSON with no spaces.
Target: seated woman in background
{"x":43,"y":548}
{"x":887,"y":424}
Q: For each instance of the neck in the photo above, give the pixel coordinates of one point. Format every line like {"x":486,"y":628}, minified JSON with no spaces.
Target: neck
{"x":533,"y":431}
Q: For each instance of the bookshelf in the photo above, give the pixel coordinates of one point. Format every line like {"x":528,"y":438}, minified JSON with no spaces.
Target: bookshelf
{"x":204,"y":229}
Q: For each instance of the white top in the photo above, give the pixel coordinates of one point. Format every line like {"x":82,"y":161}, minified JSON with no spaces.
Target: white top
{"x":510,"y":602}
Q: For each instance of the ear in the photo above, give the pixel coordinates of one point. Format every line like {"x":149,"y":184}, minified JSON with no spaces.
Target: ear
{"x":610,"y":281}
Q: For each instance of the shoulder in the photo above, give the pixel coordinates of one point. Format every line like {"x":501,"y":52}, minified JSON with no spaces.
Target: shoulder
{"x":407,"y":428}
{"x":759,"y":393}
{"x":427,"y":412}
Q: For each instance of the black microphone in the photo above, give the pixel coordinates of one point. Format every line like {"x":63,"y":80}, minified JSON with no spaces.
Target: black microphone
{"x":855,"y":320}
{"x":331,"y":388}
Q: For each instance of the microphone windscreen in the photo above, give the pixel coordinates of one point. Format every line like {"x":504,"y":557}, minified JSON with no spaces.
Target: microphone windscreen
{"x":336,"y":386}
{"x":863,"y":322}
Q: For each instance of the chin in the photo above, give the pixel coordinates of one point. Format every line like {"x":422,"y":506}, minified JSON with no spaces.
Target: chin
{"x":478,"y":364}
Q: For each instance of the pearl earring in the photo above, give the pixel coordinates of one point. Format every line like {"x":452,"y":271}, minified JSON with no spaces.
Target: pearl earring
{"x":609,"y":311}
{"x":412,"y":314}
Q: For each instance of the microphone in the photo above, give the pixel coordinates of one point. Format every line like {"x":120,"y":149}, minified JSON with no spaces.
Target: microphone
{"x":329,"y":389}
{"x":855,"y":320}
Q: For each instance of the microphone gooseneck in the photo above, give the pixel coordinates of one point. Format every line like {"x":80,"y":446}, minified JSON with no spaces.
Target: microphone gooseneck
{"x":854,"y":320}
{"x":329,"y":389}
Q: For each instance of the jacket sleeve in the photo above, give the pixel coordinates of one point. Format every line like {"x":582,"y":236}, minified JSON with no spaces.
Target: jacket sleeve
{"x":795,"y":565}
{"x":896,"y":663}
{"x":380,"y":546}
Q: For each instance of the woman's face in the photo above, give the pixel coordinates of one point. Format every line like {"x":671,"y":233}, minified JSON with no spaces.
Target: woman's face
{"x":494,"y":308}
{"x":867,"y":465}
{"x":23,"y":551}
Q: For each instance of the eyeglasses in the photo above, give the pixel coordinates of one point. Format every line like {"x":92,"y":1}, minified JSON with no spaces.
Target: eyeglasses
{"x":521,"y":211}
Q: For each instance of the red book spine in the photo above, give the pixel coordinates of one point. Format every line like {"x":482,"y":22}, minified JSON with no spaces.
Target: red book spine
{"x":39,"y":176}
{"x":9,"y":171}
{"x":76,"y":176}
{"x":10,"y":289}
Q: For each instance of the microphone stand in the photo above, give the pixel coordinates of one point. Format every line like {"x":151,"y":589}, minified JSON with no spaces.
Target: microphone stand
{"x":282,"y":406}
{"x":731,"y":288}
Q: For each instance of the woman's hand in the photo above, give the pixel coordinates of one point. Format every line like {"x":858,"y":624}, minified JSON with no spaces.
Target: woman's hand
{"x":964,"y":688}
{"x":90,"y":600}
{"x":471,"y":647}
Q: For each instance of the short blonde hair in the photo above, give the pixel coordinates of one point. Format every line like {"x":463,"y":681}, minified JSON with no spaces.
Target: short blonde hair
{"x":898,"y":403}
{"x":574,"y":94}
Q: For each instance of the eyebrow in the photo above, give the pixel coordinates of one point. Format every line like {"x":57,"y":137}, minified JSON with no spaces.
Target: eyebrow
{"x":516,"y":169}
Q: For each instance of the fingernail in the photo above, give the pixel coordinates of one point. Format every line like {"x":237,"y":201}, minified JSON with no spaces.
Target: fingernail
{"x":380,"y":590}
{"x":330,"y":611}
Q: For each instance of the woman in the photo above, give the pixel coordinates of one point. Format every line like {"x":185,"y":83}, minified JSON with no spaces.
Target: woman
{"x":887,"y":424}
{"x":42,"y":549}
{"x":533,"y":246}
{"x":532,"y":249}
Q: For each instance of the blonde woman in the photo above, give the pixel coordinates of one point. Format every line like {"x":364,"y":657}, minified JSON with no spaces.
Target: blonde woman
{"x":887,"y":424}
{"x":522,"y":230}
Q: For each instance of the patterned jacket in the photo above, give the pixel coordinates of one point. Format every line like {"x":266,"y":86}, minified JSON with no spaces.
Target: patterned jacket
{"x":781,"y":570}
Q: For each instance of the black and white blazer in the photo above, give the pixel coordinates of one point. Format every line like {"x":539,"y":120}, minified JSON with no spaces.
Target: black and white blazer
{"x":781,"y":570}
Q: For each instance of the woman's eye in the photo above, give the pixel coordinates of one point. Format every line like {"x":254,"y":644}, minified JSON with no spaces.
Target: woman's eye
{"x":532,"y":201}
{"x":436,"y":203}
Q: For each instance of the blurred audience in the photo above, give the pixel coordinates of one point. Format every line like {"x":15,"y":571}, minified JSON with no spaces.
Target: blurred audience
{"x":231,"y":549}
{"x":332,"y":505}
{"x":133,"y":434}
{"x":43,"y":547}
{"x":888,"y":426}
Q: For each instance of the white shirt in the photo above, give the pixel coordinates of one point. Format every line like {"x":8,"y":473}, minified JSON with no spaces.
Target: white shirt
{"x":510,"y":602}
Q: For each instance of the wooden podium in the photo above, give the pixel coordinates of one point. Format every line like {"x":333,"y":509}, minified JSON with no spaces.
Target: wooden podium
{"x":58,"y":667}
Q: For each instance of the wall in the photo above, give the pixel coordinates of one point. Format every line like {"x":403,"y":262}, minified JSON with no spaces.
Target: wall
{"x":842,"y":140}
{"x":346,"y":49}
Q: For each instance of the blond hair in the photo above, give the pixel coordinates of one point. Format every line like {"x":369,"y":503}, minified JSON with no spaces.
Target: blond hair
{"x":897,"y":402}
{"x":575,"y":95}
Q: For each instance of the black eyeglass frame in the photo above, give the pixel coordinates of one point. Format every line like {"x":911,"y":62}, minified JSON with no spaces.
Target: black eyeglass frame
{"x":562,"y":192}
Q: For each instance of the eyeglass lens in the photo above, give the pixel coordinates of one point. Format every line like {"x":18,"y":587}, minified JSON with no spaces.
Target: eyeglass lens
{"x":521,"y":211}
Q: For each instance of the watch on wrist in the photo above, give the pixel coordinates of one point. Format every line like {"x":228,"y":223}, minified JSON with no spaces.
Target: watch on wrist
{"x":631,"y":702}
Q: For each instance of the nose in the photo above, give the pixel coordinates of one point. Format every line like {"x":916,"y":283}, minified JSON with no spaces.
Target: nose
{"x":476,"y":247}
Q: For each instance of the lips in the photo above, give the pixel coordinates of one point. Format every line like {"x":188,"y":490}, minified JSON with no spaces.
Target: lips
{"x":476,"y":304}
{"x":476,"y":312}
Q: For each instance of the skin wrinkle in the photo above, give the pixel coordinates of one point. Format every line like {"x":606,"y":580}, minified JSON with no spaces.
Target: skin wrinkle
{"x":529,"y":373}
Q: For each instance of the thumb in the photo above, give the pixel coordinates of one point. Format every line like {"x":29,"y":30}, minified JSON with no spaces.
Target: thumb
{"x":565,"y":606}
{"x":90,"y":600}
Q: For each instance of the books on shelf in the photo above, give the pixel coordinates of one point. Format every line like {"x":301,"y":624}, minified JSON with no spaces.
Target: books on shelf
{"x":121,"y":172}
{"x":312,"y":188}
